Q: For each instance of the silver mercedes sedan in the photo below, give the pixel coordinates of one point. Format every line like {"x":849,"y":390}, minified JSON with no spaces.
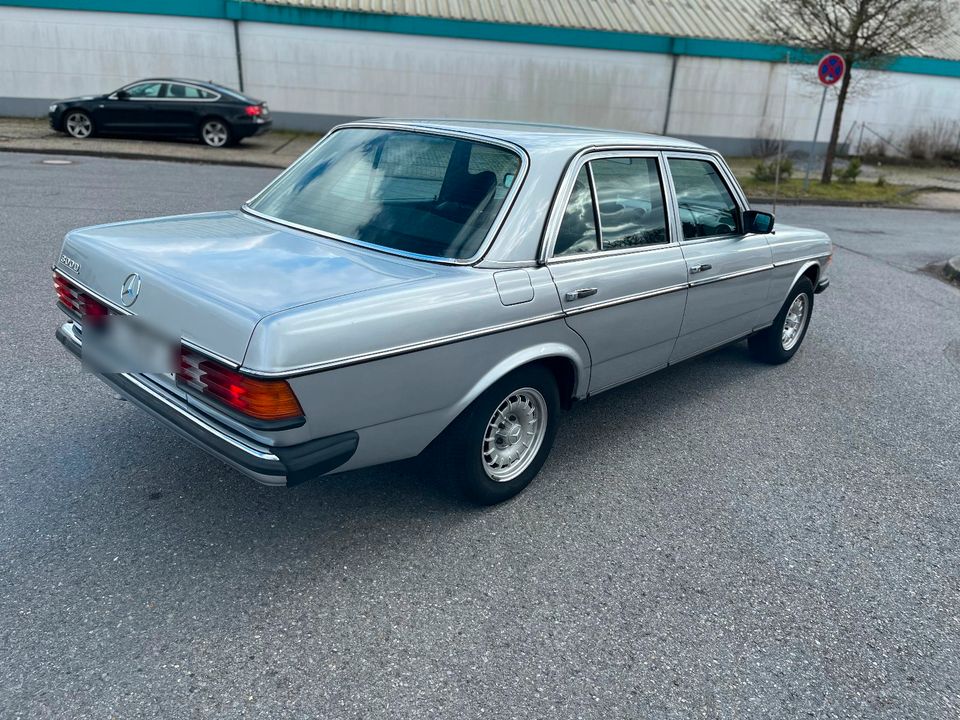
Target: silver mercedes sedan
{"x":440,"y":289}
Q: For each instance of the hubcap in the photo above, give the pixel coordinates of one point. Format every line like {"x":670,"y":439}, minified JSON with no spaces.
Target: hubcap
{"x":514,"y":434}
{"x":215,"y":133}
{"x":79,"y":125}
{"x":794,"y":321}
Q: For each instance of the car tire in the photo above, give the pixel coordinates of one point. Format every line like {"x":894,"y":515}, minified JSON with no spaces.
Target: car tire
{"x":215,"y":132}
{"x":78,"y":124}
{"x":480,"y":462}
{"x":780,"y":342}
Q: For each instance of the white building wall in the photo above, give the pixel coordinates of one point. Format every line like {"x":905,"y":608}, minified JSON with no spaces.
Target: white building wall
{"x":316,"y":75}
{"x":59,"y":53}
{"x":351,"y":73}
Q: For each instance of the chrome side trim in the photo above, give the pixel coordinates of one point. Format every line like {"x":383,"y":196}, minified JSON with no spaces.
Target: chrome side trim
{"x":475,"y":137}
{"x":191,"y":417}
{"x":403,"y":349}
{"x":490,"y":330}
{"x":113,"y":95}
{"x":730,"y":276}
{"x":820,"y":256}
{"x":626,"y":299}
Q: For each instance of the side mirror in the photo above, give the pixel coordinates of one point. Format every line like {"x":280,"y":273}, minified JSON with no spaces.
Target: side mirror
{"x":122,"y":95}
{"x":757,"y":222}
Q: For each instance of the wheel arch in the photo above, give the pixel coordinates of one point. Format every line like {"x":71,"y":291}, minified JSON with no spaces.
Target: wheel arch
{"x":568,"y":368}
{"x":810,"y":269}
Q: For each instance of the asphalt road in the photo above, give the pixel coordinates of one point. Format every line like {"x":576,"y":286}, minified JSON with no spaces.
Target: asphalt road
{"x":723,"y":539}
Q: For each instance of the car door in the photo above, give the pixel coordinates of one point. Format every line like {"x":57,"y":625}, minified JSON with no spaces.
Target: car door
{"x":130,"y":109}
{"x":728,"y":270}
{"x":617,"y":264}
{"x":178,"y":111}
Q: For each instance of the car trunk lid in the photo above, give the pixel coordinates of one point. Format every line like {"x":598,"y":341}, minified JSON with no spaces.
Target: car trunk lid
{"x":210,"y":278}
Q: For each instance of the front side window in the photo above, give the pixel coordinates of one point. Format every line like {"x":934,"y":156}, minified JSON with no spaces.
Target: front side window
{"x":707,"y":208}
{"x":426,"y":194}
{"x":144,"y":90}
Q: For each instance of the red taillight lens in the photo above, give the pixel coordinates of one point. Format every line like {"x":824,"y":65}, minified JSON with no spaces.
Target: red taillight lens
{"x":268,"y":400}
{"x":253,"y":110}
{"x":77,"y":301}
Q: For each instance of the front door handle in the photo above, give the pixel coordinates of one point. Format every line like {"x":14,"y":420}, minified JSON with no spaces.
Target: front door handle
{"x":579,"y":294}
{"x":694,"y":269}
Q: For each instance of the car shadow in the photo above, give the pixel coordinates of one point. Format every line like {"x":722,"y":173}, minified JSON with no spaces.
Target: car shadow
{"x":178,"y":494}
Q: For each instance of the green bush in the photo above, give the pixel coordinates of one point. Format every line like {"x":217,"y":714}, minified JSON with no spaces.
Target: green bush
{"x":850,"y":173}
{"x":767,"y":171}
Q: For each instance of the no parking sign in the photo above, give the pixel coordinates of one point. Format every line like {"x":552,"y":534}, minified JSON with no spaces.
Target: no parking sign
{"x":831,"y":68}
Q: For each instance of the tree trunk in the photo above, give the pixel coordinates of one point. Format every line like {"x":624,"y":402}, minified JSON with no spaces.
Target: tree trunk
{"x":835,"y":132}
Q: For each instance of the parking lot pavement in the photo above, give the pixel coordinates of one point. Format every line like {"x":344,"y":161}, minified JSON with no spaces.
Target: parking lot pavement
{"x":275,"y":149}
{"x":720,"y":540}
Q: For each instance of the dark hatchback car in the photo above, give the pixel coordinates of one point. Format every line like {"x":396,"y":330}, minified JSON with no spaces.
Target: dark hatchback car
{"x":218,"y":116}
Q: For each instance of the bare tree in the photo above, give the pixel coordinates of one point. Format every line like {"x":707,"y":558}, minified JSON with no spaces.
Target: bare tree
{"x":868,"y":33}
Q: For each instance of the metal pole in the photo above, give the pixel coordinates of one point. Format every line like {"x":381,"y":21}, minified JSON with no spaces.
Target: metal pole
{"x":673,"y":75}
{"x":783,"y":116}
{"x":813,"y":143}
{"x":236,"y":45}
{"x":860,"y":141}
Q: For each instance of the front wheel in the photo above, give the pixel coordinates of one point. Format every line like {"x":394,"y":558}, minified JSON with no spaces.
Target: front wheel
{"x":779,"y":342}
{"x":498,"y":445}
{"x":215,"y":132}
{"x":78,"y":124}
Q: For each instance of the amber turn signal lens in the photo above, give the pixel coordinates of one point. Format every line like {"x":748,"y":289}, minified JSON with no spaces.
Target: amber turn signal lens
{"x":268,"y":400}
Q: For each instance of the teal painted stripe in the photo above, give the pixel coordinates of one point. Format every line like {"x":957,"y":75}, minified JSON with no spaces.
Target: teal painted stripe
{"x":183,"y":8}
{"x":472,"y":30}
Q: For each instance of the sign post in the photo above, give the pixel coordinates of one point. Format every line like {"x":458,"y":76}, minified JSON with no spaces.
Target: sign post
{"x":830,"y":70}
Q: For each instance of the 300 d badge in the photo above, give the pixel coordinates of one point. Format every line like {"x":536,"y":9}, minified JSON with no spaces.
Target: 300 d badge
{"x":70,"y":263}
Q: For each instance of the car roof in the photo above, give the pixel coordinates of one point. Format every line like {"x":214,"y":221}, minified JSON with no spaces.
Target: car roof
{"x":545,"y":135}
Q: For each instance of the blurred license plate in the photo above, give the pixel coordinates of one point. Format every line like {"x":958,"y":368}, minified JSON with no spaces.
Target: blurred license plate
{"x":124,"y":344}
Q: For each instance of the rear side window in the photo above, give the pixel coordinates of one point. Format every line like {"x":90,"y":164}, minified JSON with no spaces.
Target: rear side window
{"x":188,"y":92}
{"x":630,"y":202}
{"x":578,"y":229}
{"x":707,"y":209}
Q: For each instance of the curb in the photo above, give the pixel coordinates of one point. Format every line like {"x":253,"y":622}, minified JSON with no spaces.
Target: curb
{"x":798,"y":202}
{"x":952,"y":269}
{"x":142,"y":156}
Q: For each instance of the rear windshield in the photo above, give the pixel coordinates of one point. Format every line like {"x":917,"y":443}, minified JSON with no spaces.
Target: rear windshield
{"x":427,"y":194}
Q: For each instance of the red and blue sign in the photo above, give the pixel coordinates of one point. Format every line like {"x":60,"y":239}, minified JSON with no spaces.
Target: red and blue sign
{"x":830,"y":69}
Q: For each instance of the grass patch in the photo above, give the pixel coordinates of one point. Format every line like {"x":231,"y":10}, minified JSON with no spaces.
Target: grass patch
{"x":863,"y":191}
{"x":858,"y":192}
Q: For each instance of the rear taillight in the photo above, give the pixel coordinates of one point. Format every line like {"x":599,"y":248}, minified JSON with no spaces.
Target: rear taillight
{"x":253,"y":110}
{"x":78,"y":302}
{"x":267,"y":400}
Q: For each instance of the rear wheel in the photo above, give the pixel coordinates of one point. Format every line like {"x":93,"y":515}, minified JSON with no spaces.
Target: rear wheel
{"x":779,"y":342}
{"x":498,"y":445}
{"x":215,"y":132}
{"x":78,"y":124}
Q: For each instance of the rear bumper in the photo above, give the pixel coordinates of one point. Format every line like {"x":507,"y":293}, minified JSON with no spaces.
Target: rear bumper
{"x":245,"y":129}
{"x":822,"y":285}
{"x":289,"y":465}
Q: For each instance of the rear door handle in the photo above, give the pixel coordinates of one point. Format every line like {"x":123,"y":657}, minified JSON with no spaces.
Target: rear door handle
{"x":694,"y":269}
{"x":579,"y":294}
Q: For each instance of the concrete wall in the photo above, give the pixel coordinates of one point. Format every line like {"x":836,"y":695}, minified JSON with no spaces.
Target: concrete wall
{"x":313,"y":77}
